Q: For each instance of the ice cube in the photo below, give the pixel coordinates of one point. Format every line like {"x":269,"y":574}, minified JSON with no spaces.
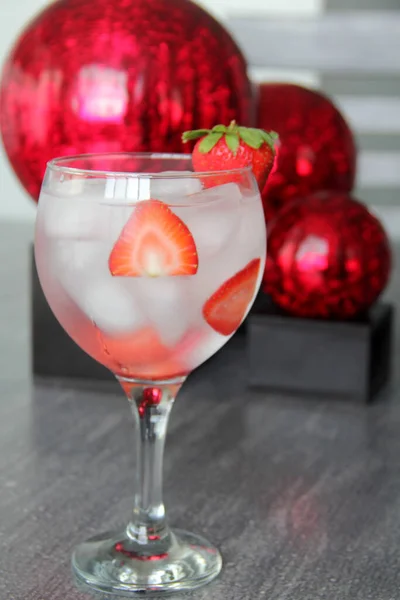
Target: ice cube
{"x":175,"y":186}
{"x":245,"y":243}
{"x":72,"y":218}
{"x":227,"y":192}
{"x":212,"y":217}
{"x":112,"y":220}
{"x":83,"y":218}
{"x":251,"y":241}
{"x":82,"y":269}
{"x":208,"y":342}
{"x":166,"y":302}
{"x":73,"y":261}
{"x":108,"y":303}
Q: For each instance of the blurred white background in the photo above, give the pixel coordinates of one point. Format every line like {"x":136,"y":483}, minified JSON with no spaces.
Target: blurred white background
{"x":14,"y":14}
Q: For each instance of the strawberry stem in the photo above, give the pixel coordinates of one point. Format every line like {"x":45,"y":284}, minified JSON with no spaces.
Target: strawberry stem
{"x":254,"y":138}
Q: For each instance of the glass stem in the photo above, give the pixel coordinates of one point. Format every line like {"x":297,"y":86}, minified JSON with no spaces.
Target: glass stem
{"x":151,"y":404}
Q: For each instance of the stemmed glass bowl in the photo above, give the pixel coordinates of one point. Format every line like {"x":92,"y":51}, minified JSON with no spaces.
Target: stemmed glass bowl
{"x":150,"y":268}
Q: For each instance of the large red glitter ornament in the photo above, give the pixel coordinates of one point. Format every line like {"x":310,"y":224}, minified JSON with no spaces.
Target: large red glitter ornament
{"x":316,"y":151}
{"x":328,"y":257}
{"x":117,"y":75}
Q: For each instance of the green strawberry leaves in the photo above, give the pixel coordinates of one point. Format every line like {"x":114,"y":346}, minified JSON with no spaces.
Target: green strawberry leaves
{"x":232,"y":141}
{"x":194,"y":135}
{"x":251,"y":136}
{"x":255,"y":138}
{"x":270,"y":137}
{"x":209,"y":141}
{"x":219,"y":129}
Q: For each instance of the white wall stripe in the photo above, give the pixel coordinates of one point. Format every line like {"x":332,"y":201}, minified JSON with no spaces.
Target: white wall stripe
{"x":297,"y":8}
{"x":379,"y":169}
{"x":371,"y":114}
{"x":299,"y":76}
{"x":335,"y":42}
{"x":390,"y":219}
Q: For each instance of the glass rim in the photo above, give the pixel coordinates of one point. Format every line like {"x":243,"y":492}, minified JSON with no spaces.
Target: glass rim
{"x":59,"y":164}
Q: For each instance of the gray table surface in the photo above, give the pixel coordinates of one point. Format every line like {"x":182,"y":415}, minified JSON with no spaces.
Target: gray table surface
{"x":302,"y":496}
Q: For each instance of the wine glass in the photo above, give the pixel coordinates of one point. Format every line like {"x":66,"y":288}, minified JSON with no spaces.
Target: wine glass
{"x":150,"y":268}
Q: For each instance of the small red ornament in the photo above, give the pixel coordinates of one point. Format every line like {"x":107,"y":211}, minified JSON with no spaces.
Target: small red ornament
{"x":328,"y":257}
{"x":316,"y":147}
{"x":152,"y":396}
{"x":117,"y":75}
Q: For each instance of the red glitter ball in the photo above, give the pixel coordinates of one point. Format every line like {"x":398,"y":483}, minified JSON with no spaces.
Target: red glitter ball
{"x":316,"y":151}
{"x":120,"y":75}
{"x":328,"y":257}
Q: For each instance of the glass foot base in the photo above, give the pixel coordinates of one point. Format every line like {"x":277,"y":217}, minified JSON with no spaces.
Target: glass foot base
{"x":107,"y":564}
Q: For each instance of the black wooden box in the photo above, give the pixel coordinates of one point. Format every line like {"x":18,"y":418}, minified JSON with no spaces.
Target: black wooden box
{"x":350,"y":359}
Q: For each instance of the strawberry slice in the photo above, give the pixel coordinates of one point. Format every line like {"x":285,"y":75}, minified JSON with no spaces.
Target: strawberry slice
{"x":134,"y":350}
{"x":142,"y":355}
{"x":162,"y":370}
{"x":225,"y":309}
{"x":154,"y":242}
